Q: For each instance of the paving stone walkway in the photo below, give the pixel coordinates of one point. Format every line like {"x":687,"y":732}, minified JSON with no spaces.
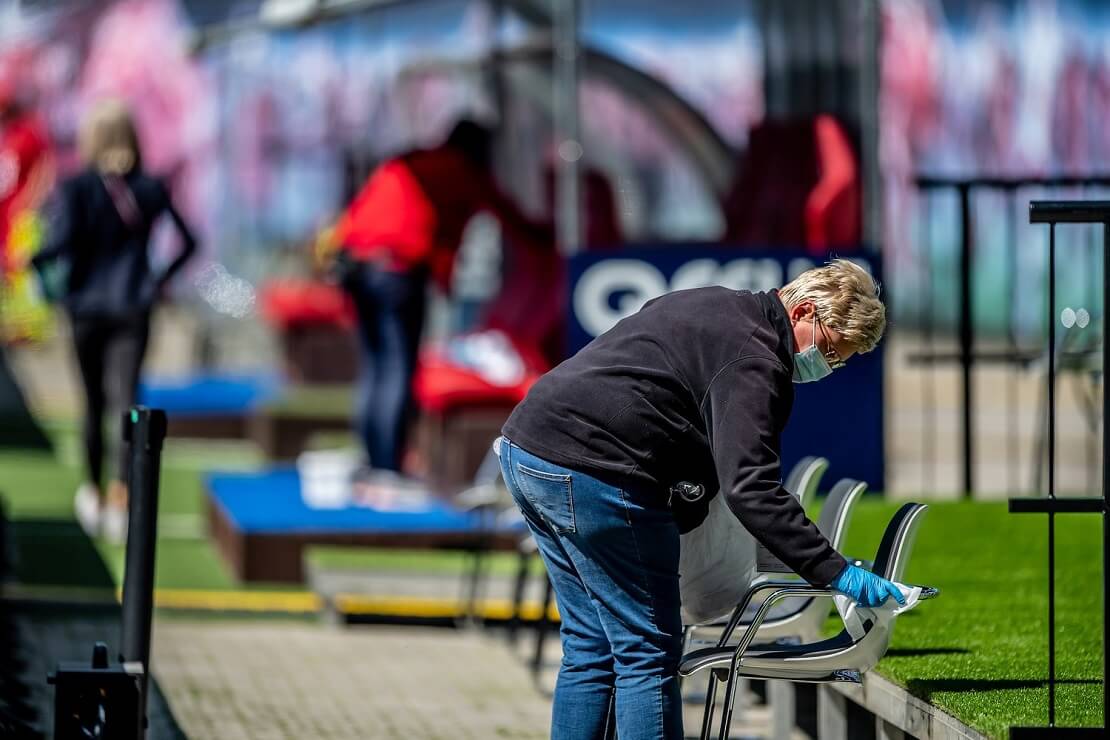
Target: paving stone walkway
{"x":268,"y":678}
{"x":280,"y":680}
{"x":230,"y":680}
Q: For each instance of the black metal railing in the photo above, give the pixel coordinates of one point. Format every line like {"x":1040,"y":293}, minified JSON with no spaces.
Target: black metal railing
{"x":144,"y":430}
{"x":102,"y":698}
{"x":1015,"y":352}
{"x":1053,"y":213}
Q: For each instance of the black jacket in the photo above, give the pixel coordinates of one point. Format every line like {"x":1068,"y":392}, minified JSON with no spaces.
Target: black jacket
{"x":696,"y":386}
{"x":109,"y":273}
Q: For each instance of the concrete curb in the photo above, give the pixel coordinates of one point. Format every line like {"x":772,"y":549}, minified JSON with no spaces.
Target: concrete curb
{"x":897,"y":712}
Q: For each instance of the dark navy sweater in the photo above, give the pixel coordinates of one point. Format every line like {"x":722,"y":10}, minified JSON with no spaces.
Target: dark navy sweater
{"x":109,"y":272}
{"x":696,"y":386}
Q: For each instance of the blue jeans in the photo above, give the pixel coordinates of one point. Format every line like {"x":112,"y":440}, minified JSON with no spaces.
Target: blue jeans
{"x":613,"y":561}
{"x":390,"y":309}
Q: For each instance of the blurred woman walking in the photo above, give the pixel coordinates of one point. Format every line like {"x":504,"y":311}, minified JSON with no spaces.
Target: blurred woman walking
{"x":99,"y":235}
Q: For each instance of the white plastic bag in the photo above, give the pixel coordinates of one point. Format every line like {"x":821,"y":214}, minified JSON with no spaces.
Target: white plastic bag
{"x":716,"y":565}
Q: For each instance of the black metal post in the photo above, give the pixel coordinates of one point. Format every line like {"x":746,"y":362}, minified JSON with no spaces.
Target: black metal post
{"x":1053,"y":213}
{"x":542,"y":627}
{"x":1056,"y":211}
{"x":967,"y":338}
{"x":1052,"y":474}
{"x":928,"y":385}
{"x":483,"y":541}
{"x":144,"y":429}
{"x":1105,"y":480}
{"x":1011,"y":339}
{"x":519,"y":585}
{"x":566,"y":63}
{"x":1089,"y":292}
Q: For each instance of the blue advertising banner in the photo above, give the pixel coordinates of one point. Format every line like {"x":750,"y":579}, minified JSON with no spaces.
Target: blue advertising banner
{"x":840,"y":417}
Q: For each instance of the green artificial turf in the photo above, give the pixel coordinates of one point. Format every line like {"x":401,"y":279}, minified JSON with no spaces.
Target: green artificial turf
{"x":51,"y":550}
{"x":312,"y":401}
{"x":980,"y":650}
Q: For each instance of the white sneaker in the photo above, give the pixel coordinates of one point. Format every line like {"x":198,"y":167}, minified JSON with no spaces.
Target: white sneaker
{"x":113,"y":524}
{"x":86,"y":507}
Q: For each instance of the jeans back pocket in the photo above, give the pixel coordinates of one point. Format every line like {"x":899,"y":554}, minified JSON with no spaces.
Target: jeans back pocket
{"x":551,"y":494}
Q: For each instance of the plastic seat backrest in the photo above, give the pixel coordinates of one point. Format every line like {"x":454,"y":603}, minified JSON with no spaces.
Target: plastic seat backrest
{"x":891,"y":559}
{"x":805,"y":477}
{"x":836,"y":514}
{"x":795,"y":477}
{"x":895,"y":549}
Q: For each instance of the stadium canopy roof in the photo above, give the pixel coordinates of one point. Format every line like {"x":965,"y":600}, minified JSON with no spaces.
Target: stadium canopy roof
{"x":684,"y":125}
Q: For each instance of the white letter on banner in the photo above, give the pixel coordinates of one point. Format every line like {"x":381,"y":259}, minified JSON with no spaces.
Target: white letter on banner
{"x":638,"y":280}
{"x":751,"y":274}
{"x":696,"y":274}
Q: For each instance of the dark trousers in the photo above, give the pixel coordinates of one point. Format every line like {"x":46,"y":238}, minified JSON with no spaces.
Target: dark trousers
{"x":390,"y":308}
{"x":110,"y":357}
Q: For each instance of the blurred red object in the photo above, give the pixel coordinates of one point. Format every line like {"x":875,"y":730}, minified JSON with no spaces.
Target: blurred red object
{"x":288,"y":304}
{"x":766,"y":205}
{"x":799,"y":186}
{"x":412,"y":211}
{"x":833,"y":207}
{"x":24,"y":169}
{"x":446,"y":381}
{"x":7,"y":89}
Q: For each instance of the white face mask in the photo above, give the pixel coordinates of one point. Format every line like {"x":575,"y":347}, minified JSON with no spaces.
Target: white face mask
{"x":811,"y":364}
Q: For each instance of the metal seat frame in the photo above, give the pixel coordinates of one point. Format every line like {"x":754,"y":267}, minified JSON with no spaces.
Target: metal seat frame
{"x":803,"y":620}
{"x":839,"y":659}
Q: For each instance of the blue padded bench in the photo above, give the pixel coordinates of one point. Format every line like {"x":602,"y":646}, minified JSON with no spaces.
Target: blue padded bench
{"x":261,"y":525}
{"x":209,"y":405}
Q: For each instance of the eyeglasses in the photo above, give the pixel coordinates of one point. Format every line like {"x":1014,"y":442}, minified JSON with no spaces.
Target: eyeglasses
{"x":835,"y":361}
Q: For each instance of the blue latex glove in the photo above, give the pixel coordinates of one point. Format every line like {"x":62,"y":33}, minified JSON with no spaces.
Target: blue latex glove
{"x":865,"y":587}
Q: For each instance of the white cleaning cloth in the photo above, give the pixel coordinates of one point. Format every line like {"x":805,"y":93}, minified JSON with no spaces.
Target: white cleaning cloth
{"x":854,"y":615}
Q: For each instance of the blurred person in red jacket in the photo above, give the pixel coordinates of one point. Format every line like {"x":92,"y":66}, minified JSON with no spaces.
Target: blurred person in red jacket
{"x":403,"y":228}
{"x":25,"y":163}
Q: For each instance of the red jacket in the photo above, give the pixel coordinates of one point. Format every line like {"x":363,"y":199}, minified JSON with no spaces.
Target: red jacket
{"x":412,"y":211}
{"x":23,"y":145}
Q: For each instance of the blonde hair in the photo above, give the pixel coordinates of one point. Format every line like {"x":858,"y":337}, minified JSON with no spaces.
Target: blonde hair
{"x":846,"y":299}
{"x":107,"y":139}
